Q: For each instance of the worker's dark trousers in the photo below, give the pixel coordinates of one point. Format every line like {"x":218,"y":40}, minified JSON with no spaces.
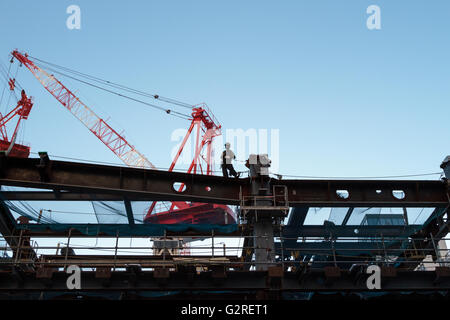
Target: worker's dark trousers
{"x":226,"y":168}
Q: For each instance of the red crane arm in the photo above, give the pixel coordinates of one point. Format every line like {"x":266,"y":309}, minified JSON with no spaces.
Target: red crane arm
{"x":22,"y":109}
{"x":102,"y":130}
{"x":202,"y":119}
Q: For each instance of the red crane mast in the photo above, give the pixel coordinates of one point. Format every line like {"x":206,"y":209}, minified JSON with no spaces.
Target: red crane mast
{"x":22,"y":110}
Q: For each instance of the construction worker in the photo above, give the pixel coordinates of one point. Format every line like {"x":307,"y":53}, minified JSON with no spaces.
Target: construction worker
{"x":227,"y":158}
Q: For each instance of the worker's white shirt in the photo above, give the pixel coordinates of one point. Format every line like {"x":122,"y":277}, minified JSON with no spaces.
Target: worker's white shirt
{"x":229,"y":156}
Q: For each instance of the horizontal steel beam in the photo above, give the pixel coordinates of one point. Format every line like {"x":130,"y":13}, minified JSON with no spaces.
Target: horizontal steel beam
{"x":69,"y":196}
{"x":312,"y":281}
{"x":157,"y":230}
{"x":81,"y":181}
{"x":132,"y":183}
{"x":366,"y":193}
{"x":349,"y":231}
{"x":126,"y":230}
{"x":351,"y":250}
{"x":327,"y":247}
{"x":122,"y":261}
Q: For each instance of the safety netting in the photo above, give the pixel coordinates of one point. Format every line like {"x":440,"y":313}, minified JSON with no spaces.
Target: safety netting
{"x":115,"y":212}
{"x":105,"y":213}
{"x":64,"y":212}
{"x":322,"y":249}
{"x":360,"y":215}
{"x":4,"y":249}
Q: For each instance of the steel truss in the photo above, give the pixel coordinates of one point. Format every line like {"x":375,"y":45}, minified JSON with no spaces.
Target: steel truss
{"x":62,"y":181}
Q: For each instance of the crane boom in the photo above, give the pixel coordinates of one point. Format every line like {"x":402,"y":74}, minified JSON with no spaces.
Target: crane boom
{"x":99,"y":127}
{"x":203,"y":121}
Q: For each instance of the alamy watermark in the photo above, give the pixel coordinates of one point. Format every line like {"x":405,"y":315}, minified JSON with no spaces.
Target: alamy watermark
{"x":74,"y":280}
{"x":242,"y":142}
{"x":74,"y":20}
{"x":373,"y":281}
{"x":374,"y":20}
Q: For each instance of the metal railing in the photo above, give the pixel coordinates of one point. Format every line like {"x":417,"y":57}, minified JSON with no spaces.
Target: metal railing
{"x":4,"y":249}
{"x":290,"y":253}
{"x":277,"y":200}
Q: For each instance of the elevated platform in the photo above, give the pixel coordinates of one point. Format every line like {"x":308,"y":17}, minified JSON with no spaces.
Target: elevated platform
{"x":310,"y":252}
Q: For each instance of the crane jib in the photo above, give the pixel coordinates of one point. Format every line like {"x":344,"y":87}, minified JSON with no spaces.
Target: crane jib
{"x":104,"y":132}
{"x":203,"y":121}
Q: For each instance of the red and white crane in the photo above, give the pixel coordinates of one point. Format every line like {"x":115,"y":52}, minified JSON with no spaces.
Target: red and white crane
{"x":98,"y":126}
{"x":203,"y":124}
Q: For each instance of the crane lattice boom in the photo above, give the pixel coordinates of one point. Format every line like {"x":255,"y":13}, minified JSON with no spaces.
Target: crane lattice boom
{"x":110,"y":137}
{"x":204,"y":126}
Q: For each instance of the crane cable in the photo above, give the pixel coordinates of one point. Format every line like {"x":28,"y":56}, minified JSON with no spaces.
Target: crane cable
{"x":168,"y":111}
{"x":6,"y":83}
{"x":5,"y":75}
{"x":276,"y":174}
{"x":116,"y":85}
{"x":380,"y":177}
{"x":5,"y":72}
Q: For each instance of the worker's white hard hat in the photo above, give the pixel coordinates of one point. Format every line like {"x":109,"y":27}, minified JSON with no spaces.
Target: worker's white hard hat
{"x":227,"y":144}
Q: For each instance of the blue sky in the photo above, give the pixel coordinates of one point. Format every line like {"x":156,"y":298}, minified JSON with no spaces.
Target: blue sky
{"x":348,"y":101}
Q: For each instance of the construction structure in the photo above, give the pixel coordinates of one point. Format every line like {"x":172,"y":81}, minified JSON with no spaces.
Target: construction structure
{"x":203,"y":124}
{"x":276,"y":260}
{"x":295,"y":239}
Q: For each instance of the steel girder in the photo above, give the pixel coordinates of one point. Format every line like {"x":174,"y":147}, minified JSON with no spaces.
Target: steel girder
{"x":79,"y":181}
{"x":310,"y":281}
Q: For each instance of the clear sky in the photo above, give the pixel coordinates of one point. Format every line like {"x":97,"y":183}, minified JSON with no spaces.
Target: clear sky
{"x":347,"y":101}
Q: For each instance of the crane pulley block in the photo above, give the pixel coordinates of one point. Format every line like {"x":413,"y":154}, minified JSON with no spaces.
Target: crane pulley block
{"x":12,"y":84}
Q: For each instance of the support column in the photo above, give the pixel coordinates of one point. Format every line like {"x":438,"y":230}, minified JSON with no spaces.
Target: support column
{"x":260,"y":216}
{"x":264,"y":244}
